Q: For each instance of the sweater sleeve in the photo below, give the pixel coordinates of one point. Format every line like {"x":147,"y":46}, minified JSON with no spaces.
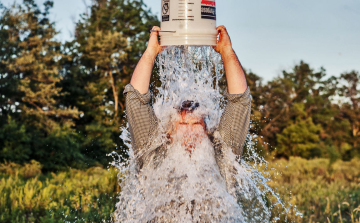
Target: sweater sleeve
{"x":235,"y":120}
{"x":141,"y":117}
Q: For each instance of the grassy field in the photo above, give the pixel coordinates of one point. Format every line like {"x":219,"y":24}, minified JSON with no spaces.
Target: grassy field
{"x":322,"y":192}
{"x":26,"y":195}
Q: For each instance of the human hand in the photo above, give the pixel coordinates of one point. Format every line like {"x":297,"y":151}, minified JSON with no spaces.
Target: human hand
{"x":153,"y":45}
{"x":224,"y":42}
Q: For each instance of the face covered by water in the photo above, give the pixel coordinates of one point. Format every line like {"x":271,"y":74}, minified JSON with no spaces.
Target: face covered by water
{"x":187,"y":129}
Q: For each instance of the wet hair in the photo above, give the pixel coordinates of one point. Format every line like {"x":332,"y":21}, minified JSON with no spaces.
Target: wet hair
{"x":189,"y":106}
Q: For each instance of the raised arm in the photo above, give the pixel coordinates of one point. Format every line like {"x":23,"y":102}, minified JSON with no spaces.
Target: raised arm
{"x":141,"y":116}
{"x":235,"y":75}
{"x":140,"y":79}
{"x":234,"y":123}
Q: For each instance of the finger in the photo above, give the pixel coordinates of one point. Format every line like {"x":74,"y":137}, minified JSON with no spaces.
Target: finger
{"x":220,"y":34}
{"x":216,"y":48}
{"x":221,"y":28}
{"x":223,"y":34}
{"x":154,"y":32}
{"x":155,"y":28}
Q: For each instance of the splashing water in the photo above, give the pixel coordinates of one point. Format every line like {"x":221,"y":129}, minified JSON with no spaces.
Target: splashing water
{"x":191,"y":187}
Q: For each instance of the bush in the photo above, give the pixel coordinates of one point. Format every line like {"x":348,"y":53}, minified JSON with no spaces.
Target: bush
{"x":26,"y":195}
{"x":322,"y":192}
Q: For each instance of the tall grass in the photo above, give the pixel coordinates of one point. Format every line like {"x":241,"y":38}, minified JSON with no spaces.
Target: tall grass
{"x":322,"y":191}
{"x":74,"y":196}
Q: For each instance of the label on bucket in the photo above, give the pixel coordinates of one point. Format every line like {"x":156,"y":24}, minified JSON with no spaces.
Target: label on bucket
{"x":208,"y":9}
{"x":165,"y":10}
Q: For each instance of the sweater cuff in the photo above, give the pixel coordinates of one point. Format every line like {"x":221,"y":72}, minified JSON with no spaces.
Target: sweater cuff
{"x":144,"y":98}
{"x":243,"y":98}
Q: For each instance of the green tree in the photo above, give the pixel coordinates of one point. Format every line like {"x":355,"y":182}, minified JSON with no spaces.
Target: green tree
{"x":301,"y":93}
{"x":32,"y":66}
{"x":9,"y":48}
{"x":350,"y":111}
{"x":37,"y":64}
{"x":301,"y":138}
{"x":15,"y":142}
{"x":108,"y":44}
{"x":256,"y":86}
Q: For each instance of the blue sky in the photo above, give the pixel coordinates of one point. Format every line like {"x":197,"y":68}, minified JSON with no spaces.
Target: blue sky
{"x":270,"y":36}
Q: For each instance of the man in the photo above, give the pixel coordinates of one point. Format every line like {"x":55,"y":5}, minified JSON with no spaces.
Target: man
{"x":188,"y":129}
{"x":235,"y":120}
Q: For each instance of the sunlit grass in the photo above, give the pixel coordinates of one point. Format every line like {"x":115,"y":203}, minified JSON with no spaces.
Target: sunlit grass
{"x":322,"y":192}
{"x":82,"y":196}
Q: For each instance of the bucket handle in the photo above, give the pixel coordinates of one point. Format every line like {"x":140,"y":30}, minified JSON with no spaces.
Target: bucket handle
{"x":162,"y":31}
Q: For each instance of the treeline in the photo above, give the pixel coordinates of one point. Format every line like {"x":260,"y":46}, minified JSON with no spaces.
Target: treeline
{"x":304,"y":113}
{"x":61,"y":103}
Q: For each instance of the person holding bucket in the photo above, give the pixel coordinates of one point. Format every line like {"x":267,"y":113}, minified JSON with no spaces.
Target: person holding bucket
{"x":188,"y":129}
{"x":236,"y":116}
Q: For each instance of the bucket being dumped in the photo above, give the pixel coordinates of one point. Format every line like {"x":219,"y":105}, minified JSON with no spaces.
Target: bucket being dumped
{"x":190,"y":22}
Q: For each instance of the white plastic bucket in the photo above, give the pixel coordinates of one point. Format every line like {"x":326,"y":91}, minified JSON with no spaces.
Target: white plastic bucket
{"x":193,"y":22}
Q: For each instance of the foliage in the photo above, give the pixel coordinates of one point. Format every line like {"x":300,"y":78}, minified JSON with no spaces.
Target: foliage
{"x":107,"y":45}
{"x":61,"y":106}
{"x":350,"y":110}
{"x":15,"y":142}
{"x":302,"y":110}
{"x":320,"y":191}
{"x":26,"y":195}
{"x":59,"y":102}
{"x":300,"y":139}
{"x":62,"y":103}
{"x":33,"y":123}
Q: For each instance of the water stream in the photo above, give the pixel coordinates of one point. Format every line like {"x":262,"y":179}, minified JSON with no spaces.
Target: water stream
{"x":189,"y":186}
